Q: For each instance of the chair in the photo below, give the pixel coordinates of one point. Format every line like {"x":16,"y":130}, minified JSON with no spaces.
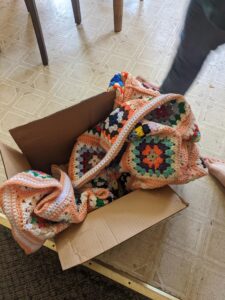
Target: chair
{"x":117,"y":13}
{"x":32,"y":9}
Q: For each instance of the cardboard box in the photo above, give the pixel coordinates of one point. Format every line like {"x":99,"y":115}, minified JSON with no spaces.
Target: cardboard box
{"x":50,"y":140}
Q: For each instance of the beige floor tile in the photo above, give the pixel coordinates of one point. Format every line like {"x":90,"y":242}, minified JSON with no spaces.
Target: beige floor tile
{"x":117,"y":63}
{"x":45,"y":82}
{"x":29,"y":103}
{"x":15,"y":51}
{"x":7,"y":94}
{"x":208,"y":285}
{"x":49,"y":108}
{"x":170,"y":263}
{"x":11,"y":120}
{"x":83,"y":72}
{"x":5,"y":66}
{"x":185,"y":231}
{"x":71,"y":90}
{"x":22,"y":75}
{"x":214,"y":115}
{"x":215,"y":245}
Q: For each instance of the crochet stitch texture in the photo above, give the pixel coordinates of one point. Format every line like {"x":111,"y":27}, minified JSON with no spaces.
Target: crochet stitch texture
{"x":148,"y":141}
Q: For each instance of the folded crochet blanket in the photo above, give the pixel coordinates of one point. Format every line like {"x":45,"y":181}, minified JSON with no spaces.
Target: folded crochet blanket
{"x":148,"y":141}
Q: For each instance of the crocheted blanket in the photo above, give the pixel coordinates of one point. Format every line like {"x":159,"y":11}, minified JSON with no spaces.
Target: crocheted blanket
{"x":148,"y":141}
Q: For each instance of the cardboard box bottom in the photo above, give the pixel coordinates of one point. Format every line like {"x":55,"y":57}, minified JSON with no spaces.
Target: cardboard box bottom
{"x":109,"y":226}
{"x":113,"y":224}
{"x":50,"y":140}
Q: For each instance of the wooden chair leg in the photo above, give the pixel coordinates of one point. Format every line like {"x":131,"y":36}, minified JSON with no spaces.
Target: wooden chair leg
{"x":76,"y":11}
{"x":118,"y":14}
{"x":38,"y":31}
{"x":27,"y":4}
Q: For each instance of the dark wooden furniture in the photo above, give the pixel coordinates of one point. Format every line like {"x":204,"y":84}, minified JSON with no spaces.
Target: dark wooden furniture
{"x":32,"y":9}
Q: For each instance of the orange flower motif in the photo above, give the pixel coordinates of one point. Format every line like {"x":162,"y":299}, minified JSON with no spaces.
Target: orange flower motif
{"x":152,"y":156}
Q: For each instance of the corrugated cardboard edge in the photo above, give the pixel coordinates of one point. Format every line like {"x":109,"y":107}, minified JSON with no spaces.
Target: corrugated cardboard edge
{"x":17,"y":162}
{"x":97,"y":233}
{"x":13,"y":160}
{"x":50,"y":140}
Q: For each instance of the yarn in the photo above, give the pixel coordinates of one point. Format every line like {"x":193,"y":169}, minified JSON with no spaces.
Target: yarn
{"x":148,"y":141}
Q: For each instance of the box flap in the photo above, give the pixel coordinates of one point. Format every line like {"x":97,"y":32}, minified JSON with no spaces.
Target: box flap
{"x":114,"y":223}
{"x":13,"y":160}
{"x":50,"y":140}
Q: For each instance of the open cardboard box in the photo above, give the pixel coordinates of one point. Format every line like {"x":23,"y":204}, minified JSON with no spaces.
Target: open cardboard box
{"x":50,"y":140}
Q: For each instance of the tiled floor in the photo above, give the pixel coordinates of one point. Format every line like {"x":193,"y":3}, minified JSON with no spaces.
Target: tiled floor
{"x":184,"y":255}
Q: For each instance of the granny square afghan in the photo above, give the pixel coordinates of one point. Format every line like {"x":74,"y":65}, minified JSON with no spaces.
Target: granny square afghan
{"x":148,"y":141}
